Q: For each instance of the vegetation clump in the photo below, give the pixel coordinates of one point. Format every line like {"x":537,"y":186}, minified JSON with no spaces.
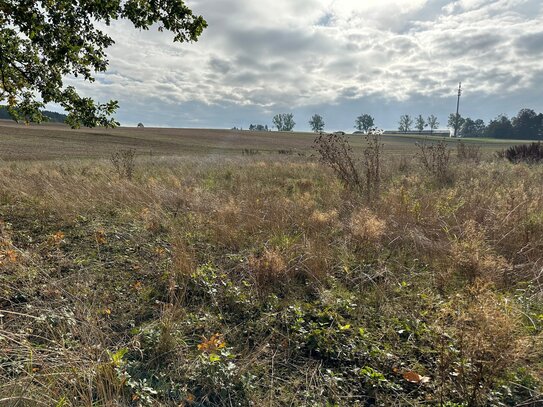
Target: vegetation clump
{"x":529,"y":153}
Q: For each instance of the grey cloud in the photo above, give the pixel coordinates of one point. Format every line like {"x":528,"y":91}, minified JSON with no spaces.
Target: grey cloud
{"x":219,"y":65}
{"x":530,"y":45}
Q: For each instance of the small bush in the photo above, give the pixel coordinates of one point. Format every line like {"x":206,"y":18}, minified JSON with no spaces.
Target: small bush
{"x":529,"y":153}
{"x":435,"y":158}
{"x":124,"y":162}
{"x":372,"y":163}
{"x":480,"y":334}
{"x":334,"y":151}
{"x":366,"y":227}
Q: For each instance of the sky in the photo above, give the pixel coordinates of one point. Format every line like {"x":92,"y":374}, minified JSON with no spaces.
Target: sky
{"x":336,"y":58}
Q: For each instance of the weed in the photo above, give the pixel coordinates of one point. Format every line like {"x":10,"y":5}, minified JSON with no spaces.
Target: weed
{"x":481,"y":341}
{"x":435,"y":159}
{"x":372,"y":163}
{"x":124,"y":163}
{"x":467,"y":151}
{"x":335,"y":152}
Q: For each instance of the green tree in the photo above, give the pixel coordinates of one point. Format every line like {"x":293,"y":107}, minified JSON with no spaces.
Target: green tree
{"x":432,"y":123}
{"x":455,"y":122}
{"x":500,"y":127}
{"x":420,"y":123}
{"x":472,"y":128}
{"x":316,"y":123}
{"x":284,"y":121}
{"x":364,"y":123}
{"x":405,"y":123}
{"x":468,"y":128}
{"x":42,"y":41}
{"x":527,"y":124}
{"x":479,"y":128}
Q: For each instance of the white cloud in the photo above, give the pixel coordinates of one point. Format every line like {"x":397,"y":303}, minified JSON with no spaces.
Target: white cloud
{"x":284,"y":54}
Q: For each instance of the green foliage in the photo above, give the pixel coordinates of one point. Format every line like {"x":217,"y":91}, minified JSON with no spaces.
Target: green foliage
{"x":316,"y":123}
{"x":500,"y":127}
{"x":47,"y":115}
{"x":433,"y":124}
{"x":528,"y":125}
{"x":405,"y":123}
{"x":420,"y":123}
{"x":473,"y":128}
{"x":284,"y":121}
{"x":455,"y":122}
{"x":364,"y":122}
{"x":42,"y":41}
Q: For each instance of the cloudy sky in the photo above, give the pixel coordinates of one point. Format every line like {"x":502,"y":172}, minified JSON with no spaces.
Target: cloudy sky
{"x":338,"y":58}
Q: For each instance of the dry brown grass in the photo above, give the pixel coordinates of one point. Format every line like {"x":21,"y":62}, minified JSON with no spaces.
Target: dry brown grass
{"x":281,"y":260}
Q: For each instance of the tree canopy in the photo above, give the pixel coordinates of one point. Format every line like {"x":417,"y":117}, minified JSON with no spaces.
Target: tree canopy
{"x":42,"y":41}
{"x":364,"y":122}
{"x":405,"y":123}
{"x":316,"y":123}
{"x":284,"y":121}
{"x":420,"y":123}
{"x":432,"y":123}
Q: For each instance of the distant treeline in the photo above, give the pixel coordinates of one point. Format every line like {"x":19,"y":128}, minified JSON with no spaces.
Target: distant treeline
{"x":52,"y":116}
{"x":526,"y":125}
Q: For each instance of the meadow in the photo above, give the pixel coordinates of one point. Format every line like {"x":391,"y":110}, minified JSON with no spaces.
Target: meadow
{"x":224,"y":268}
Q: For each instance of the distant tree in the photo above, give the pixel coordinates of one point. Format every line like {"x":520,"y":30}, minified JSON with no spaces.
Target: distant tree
{"x":258,"y":127}
{"x":455,"y":122}
{"x":140,"y":125}
{"x":500,"y":127}
{"x":472,"y":128}
{"x":468,"y":128}
{"x":432,"y":123}
{"x":316,"y":123}
{"x":48,"y":115}
{"x":364,"y":123}
{"x":420,"y":123}
{"x":284,"y":121}
{"x":479,"y":128}
{"x":527,"y":125}
{"x":405,"y":123}
{"x":278,"y":121}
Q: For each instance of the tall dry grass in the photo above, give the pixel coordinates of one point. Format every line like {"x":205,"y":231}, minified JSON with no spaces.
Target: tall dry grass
{"x":108,"y":284}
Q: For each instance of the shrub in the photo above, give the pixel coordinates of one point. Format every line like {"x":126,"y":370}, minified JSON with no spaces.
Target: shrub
{"x":435,"y":158}
{"x":366,"y":227}
{"x":124,"y":162}
{"x":334,"y":151}
{"x":530,"y":153}
{"x":372,"y":163}
{"x":480,"y":341}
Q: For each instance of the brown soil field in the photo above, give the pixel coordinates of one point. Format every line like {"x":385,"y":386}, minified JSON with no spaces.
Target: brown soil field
{"x":54,"y":141}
